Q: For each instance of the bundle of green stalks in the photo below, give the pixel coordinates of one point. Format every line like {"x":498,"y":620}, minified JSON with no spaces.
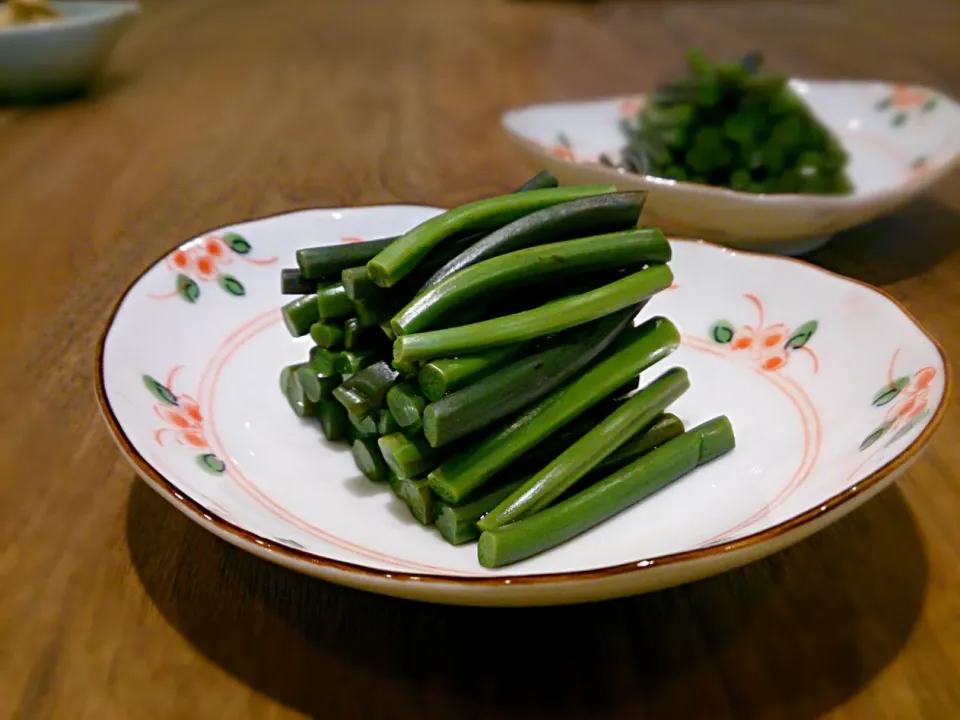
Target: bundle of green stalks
{"x":485,"y":365}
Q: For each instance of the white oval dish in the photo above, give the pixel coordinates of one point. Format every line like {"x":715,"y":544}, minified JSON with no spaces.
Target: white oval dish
{"x":187,"y":374}
{"x":62,"y":55}
{"x":900,"y":139}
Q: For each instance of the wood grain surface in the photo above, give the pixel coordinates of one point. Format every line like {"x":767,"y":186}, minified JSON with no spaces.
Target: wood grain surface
{"x":113,"y":605}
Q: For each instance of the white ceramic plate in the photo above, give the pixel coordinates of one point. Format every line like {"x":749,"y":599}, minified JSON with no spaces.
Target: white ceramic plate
{"x":900,"y":140}
{"x":62,"y":55}
{"x":187,"y":381}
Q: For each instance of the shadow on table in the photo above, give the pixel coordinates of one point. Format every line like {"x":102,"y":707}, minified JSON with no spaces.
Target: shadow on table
{"x":905,"y":244}
{"x":97,"y":90}
{"x":804,"y":630}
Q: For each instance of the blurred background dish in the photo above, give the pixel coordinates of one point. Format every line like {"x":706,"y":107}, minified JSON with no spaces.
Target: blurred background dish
{"x":57,"y":48}
{"x":899,"y":140}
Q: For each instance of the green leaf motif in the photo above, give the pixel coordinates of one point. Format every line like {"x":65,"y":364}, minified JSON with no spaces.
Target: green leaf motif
{"x":884,"y":104}
{"x":908,"y":427}
{"x":562,"y":139}
{"x":899,"y":119}
{"x":930,"y":105}
{"x":160,"y":391}
{"x":886,"y":396}
{"x":232,"y":285}
{"x":722,"y":331}
{"x":237,"y":243}
{"x":211,"y":463}
{"x":801,"y":336}
{"x":875,"y":435}
{"x":187,"y":288}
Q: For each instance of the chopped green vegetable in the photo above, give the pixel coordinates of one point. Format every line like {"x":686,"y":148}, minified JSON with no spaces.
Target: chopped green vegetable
{"x":520,"y":383}
{"x":299,"y":403}
{"x":355,"y":336}
{"x":590,"y":450}
{"x":328,"y":261}
{"x":316,"y":386}
{"x":369,"y":461}
{"x":728,"y":126}
{"x":594,"y":215}
{"x":417,"y":497}
{"x":503,"y":274}
{"x":408,"y":457}
{"x":633,"y":351}
{"x":365,"y":427}
{"x":332,"y":302}
{"x":323,"y":361}
{"x":333,"y":420}
{"x":386,"y":423}
{"x":326,"y":335}
{"x":610,"y":496}
{"x":458,"y":524}
{"x":365,"y":391}
{"x":400,"y":258}
{"x":300,"y":314}
{"x":358,"y":284}
{"x":353,"y":361}
{"x":406,"y":405}
{"x":530,"y":324}
{"x":441,"y":377}
{"x":293,"y":283}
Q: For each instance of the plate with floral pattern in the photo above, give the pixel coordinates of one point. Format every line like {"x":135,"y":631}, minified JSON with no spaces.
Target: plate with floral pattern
{"x":832,"y":389}
{"x":900,"y":139}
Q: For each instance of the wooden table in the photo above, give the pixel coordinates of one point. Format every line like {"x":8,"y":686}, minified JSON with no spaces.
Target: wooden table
{"x":112,"y":604}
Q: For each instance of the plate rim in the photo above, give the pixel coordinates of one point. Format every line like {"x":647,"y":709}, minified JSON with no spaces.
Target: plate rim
{"x":201,"y":515}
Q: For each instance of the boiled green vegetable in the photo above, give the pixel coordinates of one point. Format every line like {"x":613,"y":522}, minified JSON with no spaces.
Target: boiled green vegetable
{"x":406,"y":405}
{"x":520,"y":383}
{"x":398,"y":260}
{"x":633,"y":351}
{"x":293,"y":283}
{"x":610,"y":496}
{"x":593,"y":215}
{"x":590,"y":450}
{"x":370,"y":462}
{"x":299,"y":315}
{"x":441,"y":377}
{"x":530,"y":324}
{"x":506,"y":273}
{"x":365,"y":391}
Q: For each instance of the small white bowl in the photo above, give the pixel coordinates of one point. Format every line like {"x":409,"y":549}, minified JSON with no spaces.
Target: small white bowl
{"x":900,"y":139}
{"x":831,"y":387}
{"x":64,"y":55}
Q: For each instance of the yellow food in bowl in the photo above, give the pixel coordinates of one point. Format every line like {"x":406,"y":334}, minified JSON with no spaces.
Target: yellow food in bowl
{"x":24,"y":12}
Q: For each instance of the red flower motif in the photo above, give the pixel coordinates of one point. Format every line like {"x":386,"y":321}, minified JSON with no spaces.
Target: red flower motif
{"x":775,"y":359}
{"x":771,"y":346}
{"x":914,"y":399}
{"x":773,"y":335}
{"x":923,"y":377}
{"x":214,"y":247}
{"x":185,"y":420}
{"x":202,"y":260}
{"x":904,"y":96}
{"x":199,"y":260}
{"x":181,"y":259}
{"x":628,"y":108}
{"x":205,"y":266}
{"x":743,"y":340}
